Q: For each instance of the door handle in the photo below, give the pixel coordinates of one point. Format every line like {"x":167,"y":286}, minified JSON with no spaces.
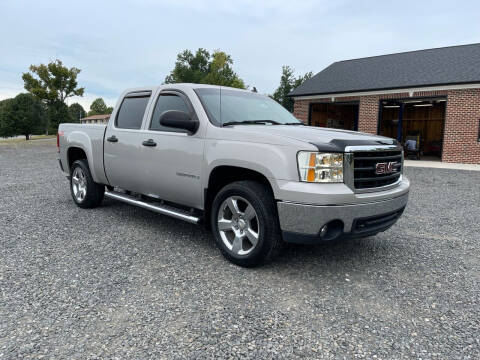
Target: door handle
{"x":112,"y":138}
{"x":149,"y":142}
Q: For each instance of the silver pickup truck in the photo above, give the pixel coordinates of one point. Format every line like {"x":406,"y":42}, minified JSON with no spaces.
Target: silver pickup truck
{"x":239,"y":163}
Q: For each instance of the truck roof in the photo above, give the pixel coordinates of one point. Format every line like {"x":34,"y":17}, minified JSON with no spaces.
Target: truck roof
{"x":181,"y":86}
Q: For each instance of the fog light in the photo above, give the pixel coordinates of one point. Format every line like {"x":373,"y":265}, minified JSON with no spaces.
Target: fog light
{"x":323,"y":230}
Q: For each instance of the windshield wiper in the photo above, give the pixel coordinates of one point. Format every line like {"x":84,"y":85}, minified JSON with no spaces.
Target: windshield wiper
{"x":249,"y":122}
{"x":294,"y":123}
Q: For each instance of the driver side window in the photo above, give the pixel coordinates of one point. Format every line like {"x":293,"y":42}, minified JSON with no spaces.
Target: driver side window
{"x":164,"y":103}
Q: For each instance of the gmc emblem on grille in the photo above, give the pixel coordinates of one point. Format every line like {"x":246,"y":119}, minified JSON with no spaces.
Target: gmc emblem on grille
{"x":386,"y":168}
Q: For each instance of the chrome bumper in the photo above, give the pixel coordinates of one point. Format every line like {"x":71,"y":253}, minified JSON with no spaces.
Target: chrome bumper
{"x":301,"y":223}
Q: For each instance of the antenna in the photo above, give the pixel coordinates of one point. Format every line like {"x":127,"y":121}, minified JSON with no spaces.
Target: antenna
{"x":221,"y":104}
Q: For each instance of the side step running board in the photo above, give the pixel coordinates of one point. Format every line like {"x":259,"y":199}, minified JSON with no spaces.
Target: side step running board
{"x":159,"y":208}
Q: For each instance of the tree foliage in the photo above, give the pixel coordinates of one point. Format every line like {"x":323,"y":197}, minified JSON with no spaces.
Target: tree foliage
{"x":57,"y":113}
{"x":98,"y":107}
{"x":53,"y":83}
{"x":288,"y":82}
{"x":204,"y":68}
{"x":22,"y":115}
{"x":77,"y":112}
{"x":7,"y":126}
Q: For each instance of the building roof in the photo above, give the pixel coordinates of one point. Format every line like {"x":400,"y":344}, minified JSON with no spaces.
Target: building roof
{"x":97,"y":117}
{"x":431,"y":67}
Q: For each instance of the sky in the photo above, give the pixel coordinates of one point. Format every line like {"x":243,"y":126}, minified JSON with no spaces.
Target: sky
{"x":128,"y":43}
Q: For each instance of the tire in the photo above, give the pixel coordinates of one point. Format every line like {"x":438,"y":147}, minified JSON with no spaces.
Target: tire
{"x":234,"y":231}
{"x":85,"y":192}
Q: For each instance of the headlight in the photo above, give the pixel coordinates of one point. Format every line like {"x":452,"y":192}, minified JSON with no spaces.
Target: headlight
{"x":320,"y":167}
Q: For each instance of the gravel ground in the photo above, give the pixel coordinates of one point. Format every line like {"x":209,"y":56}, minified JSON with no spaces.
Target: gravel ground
{"x":122,"y":282}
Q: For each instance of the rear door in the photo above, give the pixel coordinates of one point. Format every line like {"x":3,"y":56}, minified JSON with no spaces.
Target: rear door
{"x":123,"y":150}
{"x":172,"y":167}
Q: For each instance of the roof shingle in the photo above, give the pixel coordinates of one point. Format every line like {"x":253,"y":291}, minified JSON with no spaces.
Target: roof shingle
{"x":430,"y":67}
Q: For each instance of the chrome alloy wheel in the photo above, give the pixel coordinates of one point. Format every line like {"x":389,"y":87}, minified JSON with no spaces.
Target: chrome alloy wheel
{"x":238,"y":225}
{"x":79,"y":184}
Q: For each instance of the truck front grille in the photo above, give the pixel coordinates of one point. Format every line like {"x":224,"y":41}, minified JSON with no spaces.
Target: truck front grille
{"x":376,"y":168}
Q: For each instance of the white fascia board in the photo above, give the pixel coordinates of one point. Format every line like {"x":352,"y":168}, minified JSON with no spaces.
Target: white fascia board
{"x":392,"y":91}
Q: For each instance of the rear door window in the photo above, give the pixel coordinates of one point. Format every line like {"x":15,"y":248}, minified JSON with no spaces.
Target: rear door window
{"x":131,"y":111}
{"x":164,"y":103}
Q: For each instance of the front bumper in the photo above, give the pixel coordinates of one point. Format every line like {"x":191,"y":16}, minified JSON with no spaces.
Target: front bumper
{"x":301,"y":223}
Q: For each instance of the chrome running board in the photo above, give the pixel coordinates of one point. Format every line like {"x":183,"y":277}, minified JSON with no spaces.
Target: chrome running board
{"x":158,"y":208}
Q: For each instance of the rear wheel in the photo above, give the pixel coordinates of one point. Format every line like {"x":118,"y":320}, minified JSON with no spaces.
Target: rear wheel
{"x":85,"y":192}
{"x":245,"y":223}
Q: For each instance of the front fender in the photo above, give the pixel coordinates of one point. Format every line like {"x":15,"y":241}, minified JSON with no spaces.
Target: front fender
{"x":272,"y":161}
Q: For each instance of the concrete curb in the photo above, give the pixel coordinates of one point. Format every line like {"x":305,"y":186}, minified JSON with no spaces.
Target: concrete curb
{"x":441,"y":165}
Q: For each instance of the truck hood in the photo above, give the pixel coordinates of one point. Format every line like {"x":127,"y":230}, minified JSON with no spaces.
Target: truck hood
{"x":324,"y":139}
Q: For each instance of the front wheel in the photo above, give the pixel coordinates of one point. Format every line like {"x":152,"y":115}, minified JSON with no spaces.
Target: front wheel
{"x":85,"y":192}
{"x":245,"y":223}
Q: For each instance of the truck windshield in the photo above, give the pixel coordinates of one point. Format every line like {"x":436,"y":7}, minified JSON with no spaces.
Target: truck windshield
{"x":225,"y":106}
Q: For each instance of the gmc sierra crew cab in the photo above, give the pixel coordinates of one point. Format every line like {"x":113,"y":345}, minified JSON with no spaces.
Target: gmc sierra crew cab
{"x":239,"y":163}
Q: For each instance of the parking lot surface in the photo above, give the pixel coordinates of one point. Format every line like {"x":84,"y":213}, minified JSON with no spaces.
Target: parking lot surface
{"x":122,"y":282}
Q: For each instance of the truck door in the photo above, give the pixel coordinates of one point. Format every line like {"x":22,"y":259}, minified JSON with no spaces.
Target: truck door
{"x":172,"y":158}
{"x":123,"y":143}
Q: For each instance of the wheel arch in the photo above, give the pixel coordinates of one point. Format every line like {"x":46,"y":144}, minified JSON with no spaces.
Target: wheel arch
{"x":75,"y":153}
{"x":80,"y":145}
{"x":223,"y":175}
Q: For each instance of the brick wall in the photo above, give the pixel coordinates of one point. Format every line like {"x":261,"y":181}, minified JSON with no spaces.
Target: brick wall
{"x":460,"y":143}
{"x":460,"y":140}
{"x":300,"y":110}
{"x":368,"y":114}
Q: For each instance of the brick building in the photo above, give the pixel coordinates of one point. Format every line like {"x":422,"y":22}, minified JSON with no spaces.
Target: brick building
{"x":431,"y":96}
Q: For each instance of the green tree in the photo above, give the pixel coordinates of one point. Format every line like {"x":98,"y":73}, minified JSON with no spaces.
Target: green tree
{"x":288,"y":82}
{"x":77,"y":112}
{"x":204,"y":68}
{"x":99,"y":107}
{"x":7,"y":125}
{"x":22,"y":115}
{"x":53,"y":83}
{"x":57,"y":113}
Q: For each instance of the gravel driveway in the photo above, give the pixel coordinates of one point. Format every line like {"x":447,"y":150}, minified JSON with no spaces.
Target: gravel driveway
{"x":122,"y":282}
